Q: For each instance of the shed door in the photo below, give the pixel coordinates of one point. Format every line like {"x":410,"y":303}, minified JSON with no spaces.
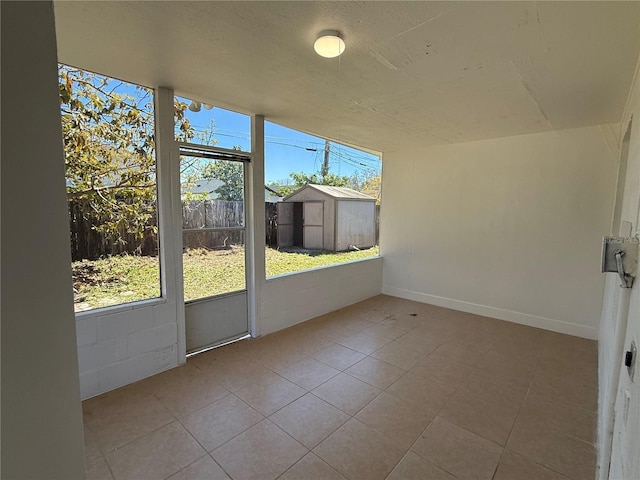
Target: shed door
{"x":314,"y":225}
{"x":285,"y":224}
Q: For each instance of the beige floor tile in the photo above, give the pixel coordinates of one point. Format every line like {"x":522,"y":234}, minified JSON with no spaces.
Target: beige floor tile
{"x":488,"y":414}
{"x":444,"y":368}
{"x":274,"y":359}
{"x":515,"y":466}
{"x":487,"y":404}
{"x":220,"y":421}
{"x":188,"y":392}
{"x":567,"y":388}
{"x":399,"y":421}
{"x":512,"y":388}
{"x":217,"y":356}
{"x":510,"y":367}
{"x":308,"y":373}
{"x":375,"y":372}
{"x":452,"y":353}
{"x":556,"y":435}
{"x":203,"y":469}
{"x":347,"y":393}
{"x":419,"y":343}
{"x":237,"y":373}
{"x":459,"y":452}
{"x":474,"y":341}
{"x":414,"y":467}
{"x":156,"y":455}
{"x":570,"y":456}
{"x":541,"y":419}
{"x":97,"y":469}
{"x":406,"y":321}
{"x":398,"y":355}
{"x":357,"y":322}
{"x":119,"y":417}
{"x":363,"y":342}
{"x":338,"y":356}
{"x":309,"y":420}
{"x":385,"y":332}
{"x":91,"y":447}
{"x":311,"y":467}
{"x":424,"y":394}
{"x":359,"y":452}
{"x":270,"y":393}
{"x":528,"y":344}
{"x":263,"y":452}
{"x":471,"y":373}
{"x":364,"y":311}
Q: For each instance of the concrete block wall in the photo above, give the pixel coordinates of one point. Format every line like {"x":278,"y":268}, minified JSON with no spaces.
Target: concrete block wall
{"x":291,"y":299}
{"x":120,"y":345}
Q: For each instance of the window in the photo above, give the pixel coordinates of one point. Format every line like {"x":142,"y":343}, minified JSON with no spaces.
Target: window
{"x":213,"y":153}
{"x":322,"y":201}
{"x":109,"y":146}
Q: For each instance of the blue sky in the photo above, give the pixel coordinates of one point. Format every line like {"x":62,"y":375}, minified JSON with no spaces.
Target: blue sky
{"x":286,"y":150}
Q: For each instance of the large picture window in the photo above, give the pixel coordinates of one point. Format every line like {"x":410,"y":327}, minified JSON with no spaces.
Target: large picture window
{"x":322,"y":201}
{"x":109,"y":147}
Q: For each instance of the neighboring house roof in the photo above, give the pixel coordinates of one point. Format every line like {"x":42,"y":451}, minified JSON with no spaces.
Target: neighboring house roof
{"x":271,"y":195}
{"x":204,"y":186}
{"x":335,"y":192}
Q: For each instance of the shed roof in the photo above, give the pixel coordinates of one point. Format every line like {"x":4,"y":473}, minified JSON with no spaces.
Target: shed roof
{"x":335,"y":192}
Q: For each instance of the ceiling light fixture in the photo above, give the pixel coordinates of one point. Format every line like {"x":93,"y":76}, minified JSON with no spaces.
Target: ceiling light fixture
{"x":329,"y":44}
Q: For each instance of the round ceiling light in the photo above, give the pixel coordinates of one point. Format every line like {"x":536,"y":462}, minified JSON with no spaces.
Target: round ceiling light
{"x":329,"y":44}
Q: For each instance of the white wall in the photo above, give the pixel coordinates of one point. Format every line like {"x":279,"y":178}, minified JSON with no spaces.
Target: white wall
{"x":290,"y":299}
{"x":41,"y":414}
{"x":621,"y":306}
{"x":120,"y":346}
{"x":508,"y":228}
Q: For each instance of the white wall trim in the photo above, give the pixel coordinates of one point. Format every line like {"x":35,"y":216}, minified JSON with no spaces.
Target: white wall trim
{"x":536,"y":321}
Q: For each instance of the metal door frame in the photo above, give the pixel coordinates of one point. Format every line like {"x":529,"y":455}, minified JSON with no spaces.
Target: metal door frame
{"x":217,"y":153}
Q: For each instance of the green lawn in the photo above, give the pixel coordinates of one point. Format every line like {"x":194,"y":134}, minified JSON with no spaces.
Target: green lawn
{"x":121,"y":279}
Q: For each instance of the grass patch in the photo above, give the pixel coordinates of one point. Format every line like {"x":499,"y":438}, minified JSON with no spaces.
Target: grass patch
{"x":114,"y":280}
{"x":122,"y":279}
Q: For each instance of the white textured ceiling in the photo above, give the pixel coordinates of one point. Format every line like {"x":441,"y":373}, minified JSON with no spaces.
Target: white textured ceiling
{"x":413,"y":72}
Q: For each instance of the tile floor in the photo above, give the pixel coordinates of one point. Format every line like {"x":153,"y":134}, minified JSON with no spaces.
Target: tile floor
{"x":387,"y":388}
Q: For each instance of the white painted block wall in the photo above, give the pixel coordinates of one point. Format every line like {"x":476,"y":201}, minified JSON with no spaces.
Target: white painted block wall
{"x":124,"y":344}
{"x":291,"y":299}
{"x":508,"y":228}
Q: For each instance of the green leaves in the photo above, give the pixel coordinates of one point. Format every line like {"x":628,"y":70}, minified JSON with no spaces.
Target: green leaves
{"x":109,"y":143}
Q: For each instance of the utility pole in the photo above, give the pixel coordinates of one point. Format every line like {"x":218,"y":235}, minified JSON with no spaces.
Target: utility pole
{"x":325,"y":165}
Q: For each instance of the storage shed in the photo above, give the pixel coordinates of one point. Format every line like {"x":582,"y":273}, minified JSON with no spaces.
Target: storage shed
{"x":322,"y":217}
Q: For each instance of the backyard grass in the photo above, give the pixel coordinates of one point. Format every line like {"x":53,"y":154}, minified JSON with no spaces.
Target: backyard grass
{"x":127,"y":278}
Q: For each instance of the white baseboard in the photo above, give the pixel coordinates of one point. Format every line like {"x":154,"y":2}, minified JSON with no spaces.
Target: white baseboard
{"x":499,"y":313}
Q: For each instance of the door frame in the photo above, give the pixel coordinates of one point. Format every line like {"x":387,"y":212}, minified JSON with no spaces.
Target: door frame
{"x":224,"y":154}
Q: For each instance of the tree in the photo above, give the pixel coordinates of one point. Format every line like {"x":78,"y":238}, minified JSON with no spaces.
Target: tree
{"x":109,"y":145}
{"x":373,"y":187}
{"x":301,"y":179}
{"x":367,"y":181}
{"x":231,"y":174}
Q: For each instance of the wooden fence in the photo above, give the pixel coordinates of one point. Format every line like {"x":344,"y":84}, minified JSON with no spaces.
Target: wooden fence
{"x":87,"y":243}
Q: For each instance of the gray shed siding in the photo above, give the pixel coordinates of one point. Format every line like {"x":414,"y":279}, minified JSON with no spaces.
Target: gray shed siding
{"x":356,"y":224}
{"x":349,"y":216}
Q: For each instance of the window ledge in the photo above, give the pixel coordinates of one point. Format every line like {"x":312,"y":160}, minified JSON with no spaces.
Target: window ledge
{"x":101,"y":312}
